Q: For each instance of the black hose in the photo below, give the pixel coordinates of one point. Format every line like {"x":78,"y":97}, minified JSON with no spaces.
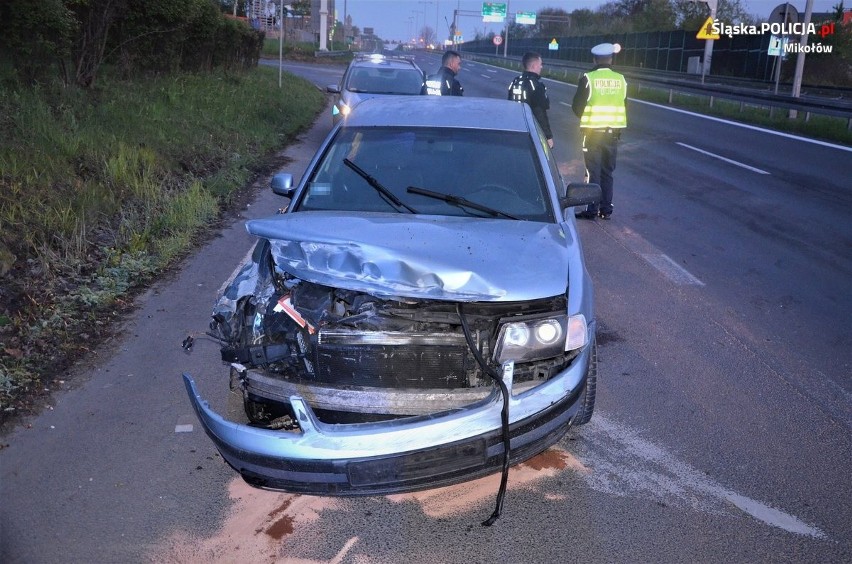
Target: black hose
{"x":504,"y":415}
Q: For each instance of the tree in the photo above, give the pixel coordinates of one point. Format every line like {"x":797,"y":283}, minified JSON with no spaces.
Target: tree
{"x":300,"y":7}
{"x":833,"y":68}
{"x":96,"y":18}
{"x":585,"y":22}
{"x":427,"y":35}
{"x":520,"y":31}
{"x":733,"y":11}
{"x":552,"y":22}
{"x":654,"y":15}
{"x":837,"y":11}
{"x":36,"y":36}
{"x":690,"y":14}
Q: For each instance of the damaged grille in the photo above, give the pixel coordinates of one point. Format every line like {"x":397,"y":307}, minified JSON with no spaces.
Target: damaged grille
{"x":393,"y":359}
{"x":308,"y":333}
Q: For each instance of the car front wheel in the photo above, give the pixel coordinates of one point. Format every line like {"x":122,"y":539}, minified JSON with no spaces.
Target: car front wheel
{"x":587,"y":399}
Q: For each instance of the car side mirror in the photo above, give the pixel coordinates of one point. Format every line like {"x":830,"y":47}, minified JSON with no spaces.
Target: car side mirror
{"x":580,"y":194}
{"x":333,"y":89}
{"x":282,"y":184}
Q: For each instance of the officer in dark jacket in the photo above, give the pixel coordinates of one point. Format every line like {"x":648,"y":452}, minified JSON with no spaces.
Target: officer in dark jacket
{"x":444,"y":83}
{"x":528,"y":88}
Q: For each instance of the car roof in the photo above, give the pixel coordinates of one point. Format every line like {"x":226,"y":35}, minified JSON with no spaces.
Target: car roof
{"x":383,"y":61}
{"x":440,"y":111}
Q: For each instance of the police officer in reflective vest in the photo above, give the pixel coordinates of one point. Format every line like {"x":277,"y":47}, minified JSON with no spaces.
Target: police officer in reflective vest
{"x":600,"y":104}
{"x":528,"y":88}
{"x":444,"y":83}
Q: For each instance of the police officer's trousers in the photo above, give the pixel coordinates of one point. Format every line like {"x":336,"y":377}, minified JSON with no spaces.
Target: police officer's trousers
{"x":600,"y":149}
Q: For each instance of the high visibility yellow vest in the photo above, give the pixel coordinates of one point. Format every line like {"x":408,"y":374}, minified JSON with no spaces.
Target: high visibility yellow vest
{"x":607,"y":92}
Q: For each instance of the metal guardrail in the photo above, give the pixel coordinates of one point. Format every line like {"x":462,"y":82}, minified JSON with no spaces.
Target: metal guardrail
{"x":836,"y":107}
{"x":321,"y":54}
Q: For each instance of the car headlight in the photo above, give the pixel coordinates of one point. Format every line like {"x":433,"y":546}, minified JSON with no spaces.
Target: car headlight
{"x":528,"y":340}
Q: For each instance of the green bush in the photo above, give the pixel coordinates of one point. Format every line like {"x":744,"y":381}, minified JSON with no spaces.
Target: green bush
{"x":73,"y":39}
{"x":37,"y":37}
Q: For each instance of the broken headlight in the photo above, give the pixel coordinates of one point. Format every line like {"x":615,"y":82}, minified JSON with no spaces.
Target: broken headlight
{"x":538,"y":338}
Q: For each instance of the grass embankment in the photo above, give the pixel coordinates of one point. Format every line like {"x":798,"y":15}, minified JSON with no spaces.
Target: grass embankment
{"x":100,"y":190}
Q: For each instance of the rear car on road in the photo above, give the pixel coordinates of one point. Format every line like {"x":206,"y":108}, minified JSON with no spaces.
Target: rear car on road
{"x":375,"y":75}
{"x":419,"y":315}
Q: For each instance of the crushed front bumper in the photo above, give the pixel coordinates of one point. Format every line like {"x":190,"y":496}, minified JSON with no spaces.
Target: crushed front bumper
{"x":400,"y":455}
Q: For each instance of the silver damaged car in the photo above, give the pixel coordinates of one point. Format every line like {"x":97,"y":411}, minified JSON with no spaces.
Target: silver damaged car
{"x":419,"y":315}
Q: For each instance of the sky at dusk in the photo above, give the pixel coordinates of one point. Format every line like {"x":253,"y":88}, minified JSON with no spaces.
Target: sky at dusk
{"x":401,"y":19}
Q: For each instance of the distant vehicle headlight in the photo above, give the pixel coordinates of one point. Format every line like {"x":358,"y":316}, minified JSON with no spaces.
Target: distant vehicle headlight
{"x":536,"y":339}
{"x":345,"y":110}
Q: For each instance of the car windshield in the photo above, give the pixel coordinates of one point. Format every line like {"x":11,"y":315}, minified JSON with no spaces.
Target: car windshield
{"x":497,"y":171}
{"x":381,"y":80}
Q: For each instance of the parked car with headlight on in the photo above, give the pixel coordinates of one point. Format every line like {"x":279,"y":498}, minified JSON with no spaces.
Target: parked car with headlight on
{"x":374,"y":75}
{"x":422,"y":301}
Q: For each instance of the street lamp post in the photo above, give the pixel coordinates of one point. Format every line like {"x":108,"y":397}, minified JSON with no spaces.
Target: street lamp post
{"x":284,"y":8}
{"x":800,"y":59}
{"x":323,"y":25}
{"x":506,"y":38}
{"x":424,"y":2}
{"x":417,"y":22}
{"x":708,"y":43}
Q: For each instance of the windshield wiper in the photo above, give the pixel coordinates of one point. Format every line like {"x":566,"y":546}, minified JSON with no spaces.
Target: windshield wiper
{"x":459,"y":201}
{"x":384,"y":192}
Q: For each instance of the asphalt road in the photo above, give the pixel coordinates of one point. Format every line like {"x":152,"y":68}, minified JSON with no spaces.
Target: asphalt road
{"x":722,"y":432}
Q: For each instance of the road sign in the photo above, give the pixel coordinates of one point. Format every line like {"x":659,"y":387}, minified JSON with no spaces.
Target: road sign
{"x":525,"y":18}
{"x":776,"y":46}
{"x":706,"y":31}
{"x":498,"y":39}
{"x":784,"y":13}
{"x":493,"y":12}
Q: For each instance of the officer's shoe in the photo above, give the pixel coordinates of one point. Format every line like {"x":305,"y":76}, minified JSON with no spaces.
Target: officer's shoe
{"x":606,"y":216}
{"x":586,"y":214}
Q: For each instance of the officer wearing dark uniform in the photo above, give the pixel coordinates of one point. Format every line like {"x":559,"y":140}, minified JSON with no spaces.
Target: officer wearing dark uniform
{"x":528,"y":88}
{"x":444,"y":83}
{"x":600,"y":105}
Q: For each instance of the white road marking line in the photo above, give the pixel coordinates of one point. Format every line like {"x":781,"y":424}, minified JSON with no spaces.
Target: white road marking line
{"x":485,"y":75}
{"x":183,"y":428}
{"x":746,"y":126}
{"x":636,"y":244}
{"x":626,"y":464}
{"x":341,"y":554}
{"x":721,"y":158}
{"x":672,"y":270}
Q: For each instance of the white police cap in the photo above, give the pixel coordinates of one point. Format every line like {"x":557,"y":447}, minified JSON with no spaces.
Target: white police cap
{"x":606,"y":49}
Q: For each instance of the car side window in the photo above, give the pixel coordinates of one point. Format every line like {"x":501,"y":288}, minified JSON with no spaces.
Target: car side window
{"x":551,"y":161}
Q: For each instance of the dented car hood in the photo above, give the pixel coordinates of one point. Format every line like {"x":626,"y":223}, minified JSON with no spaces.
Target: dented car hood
{"x":419,"y":256}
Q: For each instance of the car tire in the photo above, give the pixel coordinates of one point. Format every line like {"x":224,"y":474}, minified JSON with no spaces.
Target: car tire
{"x":587,"y":399}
